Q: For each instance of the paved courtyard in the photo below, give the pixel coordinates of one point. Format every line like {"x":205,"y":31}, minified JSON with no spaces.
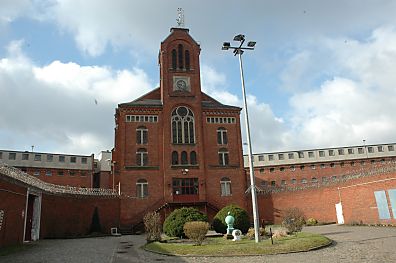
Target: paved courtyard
{"x":351,"y":244}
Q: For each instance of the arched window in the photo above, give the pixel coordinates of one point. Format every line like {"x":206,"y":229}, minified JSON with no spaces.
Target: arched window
{"x":175,"y":158}
{"x":314,"y":180}
{"x":174,"y":59}
{"x":184,"y":159}
{"x":187,"y":59}
{"x":183,"y":125}
{"x":222,"y":136}
{"x":141,"y":135}
{"x":180,"y":53}
{"x":141,"y":157}
{"x":225,"y":184}
{"x":141,"y":188}
{"x":193,"y":158}
{"x":223,"y":156}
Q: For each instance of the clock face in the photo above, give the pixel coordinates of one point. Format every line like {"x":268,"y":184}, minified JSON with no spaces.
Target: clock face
{"x":181,"y":85}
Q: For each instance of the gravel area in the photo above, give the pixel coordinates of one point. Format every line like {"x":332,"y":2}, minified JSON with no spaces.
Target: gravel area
{"x":351,"y":244}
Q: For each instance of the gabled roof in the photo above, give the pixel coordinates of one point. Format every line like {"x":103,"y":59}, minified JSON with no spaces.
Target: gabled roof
{"x":153,"y":99}
{"x":210,"y":103}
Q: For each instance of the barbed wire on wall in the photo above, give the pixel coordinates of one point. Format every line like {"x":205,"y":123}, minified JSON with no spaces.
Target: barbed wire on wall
{"x":18,"y":175}
{"x":384,"y":168}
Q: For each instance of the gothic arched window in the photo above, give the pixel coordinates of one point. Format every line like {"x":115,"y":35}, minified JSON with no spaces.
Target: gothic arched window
{"x":174,"y":59}
{"x":175,"y":158}
{"x":193,"y":158}
{"x":187,"y":59}
{"x":180,"y":54}
{"x":184,"y":157}
{"x":183,"y":129}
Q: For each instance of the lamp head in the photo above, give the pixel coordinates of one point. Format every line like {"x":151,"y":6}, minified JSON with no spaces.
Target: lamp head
{"x":239,"y":37}
{"x":251,"y":43}
{"x":226,"y":46}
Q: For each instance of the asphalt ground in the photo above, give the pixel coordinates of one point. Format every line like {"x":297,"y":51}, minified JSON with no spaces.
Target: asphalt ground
{"x":350,"y":244}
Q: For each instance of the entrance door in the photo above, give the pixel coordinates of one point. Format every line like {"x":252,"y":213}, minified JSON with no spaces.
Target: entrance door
{"x":340,"y":215}
{"x":185,"y":190}
{"x":29,"y":218}
{"x":33,"y":212}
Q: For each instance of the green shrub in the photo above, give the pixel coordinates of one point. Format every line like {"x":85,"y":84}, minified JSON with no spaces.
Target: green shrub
{"x":174,"y":223}
{"x":152,"y":225}
{"x":312,"y":222}
{"x":196,"y":230}
{"x":293,"y":220}
{"x":242,"y":221}
{"x":250,"y":233}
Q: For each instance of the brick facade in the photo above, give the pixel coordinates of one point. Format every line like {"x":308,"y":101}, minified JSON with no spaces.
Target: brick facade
{"x":155,"y":113}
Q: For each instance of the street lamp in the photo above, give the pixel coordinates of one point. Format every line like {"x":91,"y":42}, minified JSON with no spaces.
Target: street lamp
{"x":238,"y":50}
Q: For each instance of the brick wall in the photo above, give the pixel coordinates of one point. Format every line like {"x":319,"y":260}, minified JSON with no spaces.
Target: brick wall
{"x":70,"y":216}
{"x":357,"y":195}
{"x":13,"y":199}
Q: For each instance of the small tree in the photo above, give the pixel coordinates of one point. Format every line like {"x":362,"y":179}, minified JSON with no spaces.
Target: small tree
{"x":174,"y":223}
{"x":293,"y":220}
{"x":196,"y":230}
{"x":152,"y":224}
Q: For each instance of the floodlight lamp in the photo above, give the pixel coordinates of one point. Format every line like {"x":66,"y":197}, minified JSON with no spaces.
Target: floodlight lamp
{"x":251,"y":43}
{"x":239,"y":37}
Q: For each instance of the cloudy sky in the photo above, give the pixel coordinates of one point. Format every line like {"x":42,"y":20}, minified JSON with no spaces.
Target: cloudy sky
{"x":323,"y":73}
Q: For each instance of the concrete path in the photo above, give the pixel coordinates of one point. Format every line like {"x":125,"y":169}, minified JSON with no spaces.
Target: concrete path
{"x":351,"y":244}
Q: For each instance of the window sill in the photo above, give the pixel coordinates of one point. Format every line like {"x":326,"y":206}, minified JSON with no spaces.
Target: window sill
{"x":190,"y":166}
{"x":230,"y":166}
{"x":132,"y":167}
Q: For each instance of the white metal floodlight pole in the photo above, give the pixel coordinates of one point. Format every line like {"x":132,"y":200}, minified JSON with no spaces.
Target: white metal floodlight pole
{"x":239,"y":51}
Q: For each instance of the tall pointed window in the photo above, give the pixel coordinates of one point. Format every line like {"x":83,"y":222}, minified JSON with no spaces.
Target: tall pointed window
{"x":175,"y":158}
{"x":223,"y":157}
{"x":141,"y":157}
{"x":187,"y":59}
{"x":141,"y":135}
{"x":184,"y":159}
{"x":183,"y":129}
{"x":180,"y":54}
{"x":222,"y":136}
{"x":141,"y":188}
{"x":193,"y":158}
{"x":225,"y":184}
{"x":174,"y":59}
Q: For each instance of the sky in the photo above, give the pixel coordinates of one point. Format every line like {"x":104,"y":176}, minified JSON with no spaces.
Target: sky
{"x":323,"y":73}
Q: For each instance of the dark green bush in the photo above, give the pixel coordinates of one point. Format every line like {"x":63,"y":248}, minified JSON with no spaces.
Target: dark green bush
{"x":174,"y":223}
{"x":242,"y":221}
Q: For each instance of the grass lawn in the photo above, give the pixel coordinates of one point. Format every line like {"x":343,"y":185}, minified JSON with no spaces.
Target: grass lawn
{"x":218,"y":246}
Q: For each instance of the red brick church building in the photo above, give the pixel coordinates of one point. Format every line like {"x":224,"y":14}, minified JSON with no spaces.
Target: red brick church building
{"x":177,"y":146}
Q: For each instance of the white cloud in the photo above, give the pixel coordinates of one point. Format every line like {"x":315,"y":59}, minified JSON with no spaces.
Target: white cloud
{"x":54,"y":107}
{"x":360,"y":105}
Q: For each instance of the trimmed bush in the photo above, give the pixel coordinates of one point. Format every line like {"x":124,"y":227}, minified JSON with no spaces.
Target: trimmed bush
{"x":312,"y":222}
{"x":196,"y":230}
{"x":250,"y":233}
{"x":242,"y":221}
{"x":293,"y":220}
{"x":152,"y":225}
{"x":174,"y":223}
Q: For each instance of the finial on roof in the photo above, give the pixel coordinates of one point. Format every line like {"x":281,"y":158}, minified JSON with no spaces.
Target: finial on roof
{"x":180,"y":17}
